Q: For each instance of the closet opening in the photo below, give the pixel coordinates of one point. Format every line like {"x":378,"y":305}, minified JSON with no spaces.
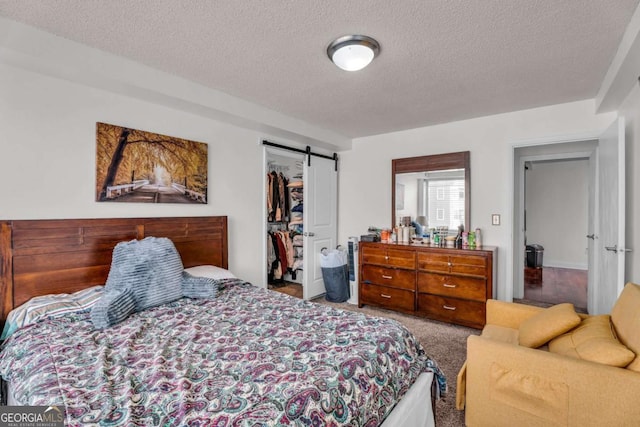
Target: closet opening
{"x":285,"y":204}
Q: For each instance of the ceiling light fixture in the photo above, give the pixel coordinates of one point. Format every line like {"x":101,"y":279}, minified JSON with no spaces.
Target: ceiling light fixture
{"x":354,"y":52}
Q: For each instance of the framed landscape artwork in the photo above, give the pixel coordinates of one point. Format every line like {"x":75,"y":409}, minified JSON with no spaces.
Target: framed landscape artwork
{"x":143,"y":167}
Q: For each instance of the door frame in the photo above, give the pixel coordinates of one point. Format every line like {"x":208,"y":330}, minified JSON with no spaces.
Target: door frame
{"x":518,"y":286}
{"x":514,"y":258}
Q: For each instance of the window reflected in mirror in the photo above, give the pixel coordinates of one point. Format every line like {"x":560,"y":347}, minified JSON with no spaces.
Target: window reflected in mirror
{"x":437,"y":201}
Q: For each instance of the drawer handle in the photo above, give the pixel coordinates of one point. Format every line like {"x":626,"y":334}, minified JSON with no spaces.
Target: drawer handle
{"x":446,"y":307}
{"x":387,"y":277}
{"x":385,"y":296}
{"x":386,"y":257}
{"x":446,"y":285}
{"x":449,"y":264}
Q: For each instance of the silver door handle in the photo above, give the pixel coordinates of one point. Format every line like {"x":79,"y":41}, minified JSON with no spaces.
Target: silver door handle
{"x":615,"y":249}
{"x":591,"y":236}
{"x":310,"y":234}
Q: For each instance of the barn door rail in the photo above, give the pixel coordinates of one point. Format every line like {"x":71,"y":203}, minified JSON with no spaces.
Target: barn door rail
{"x":306,"y":151}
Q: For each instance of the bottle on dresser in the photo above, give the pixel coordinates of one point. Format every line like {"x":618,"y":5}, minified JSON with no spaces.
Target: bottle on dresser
{"x":478,"y":238}
{"x":458,"y":243}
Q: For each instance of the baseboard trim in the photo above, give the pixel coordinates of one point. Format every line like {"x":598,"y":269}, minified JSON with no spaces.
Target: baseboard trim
{"x":561,"y":264}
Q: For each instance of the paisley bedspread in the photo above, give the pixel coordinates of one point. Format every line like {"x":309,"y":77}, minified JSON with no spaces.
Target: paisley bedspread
{"x":249,"y":357}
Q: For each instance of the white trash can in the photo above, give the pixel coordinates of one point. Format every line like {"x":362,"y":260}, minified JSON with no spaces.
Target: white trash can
{"x":335,"y":274}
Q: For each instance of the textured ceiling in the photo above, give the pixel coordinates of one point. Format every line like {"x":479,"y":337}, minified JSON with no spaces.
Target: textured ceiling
{"x":440,"y":60}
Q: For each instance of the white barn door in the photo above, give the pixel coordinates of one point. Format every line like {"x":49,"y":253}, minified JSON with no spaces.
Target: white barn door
{"x":320,"y":220}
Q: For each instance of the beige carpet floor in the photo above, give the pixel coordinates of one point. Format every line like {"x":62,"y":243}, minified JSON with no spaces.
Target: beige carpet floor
{"x":445,"y":343}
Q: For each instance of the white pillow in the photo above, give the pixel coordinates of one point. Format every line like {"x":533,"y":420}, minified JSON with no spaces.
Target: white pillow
{"x":210,"y":271}
{"x":42,"y":307}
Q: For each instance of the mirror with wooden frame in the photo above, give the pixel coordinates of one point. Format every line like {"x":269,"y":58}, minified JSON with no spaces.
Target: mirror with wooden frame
{"x":432,"y":191}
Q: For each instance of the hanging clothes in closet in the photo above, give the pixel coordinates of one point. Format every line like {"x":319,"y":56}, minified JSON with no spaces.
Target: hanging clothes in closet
{"x":277,"y":197}
{"x":280,"y":255}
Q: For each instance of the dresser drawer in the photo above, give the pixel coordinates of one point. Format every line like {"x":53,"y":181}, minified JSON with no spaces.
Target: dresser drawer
{"x":392,"y":298}
{"x":396,"y":278}
{"x":453,"y":286}
{"x":452,"y":310}
{"x":469,"y":264}
{"x":433,"y":262}
{"x":475,"y":265}
{"x":388,"y":257}
{"x":401,"y":259}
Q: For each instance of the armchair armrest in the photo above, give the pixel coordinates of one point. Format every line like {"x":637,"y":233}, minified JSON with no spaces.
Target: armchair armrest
{"x":510,"y":385}
{"x":509,"y":314}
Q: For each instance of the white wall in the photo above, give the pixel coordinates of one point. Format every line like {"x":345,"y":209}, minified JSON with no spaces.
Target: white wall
{"x":365,"y":174}
{"x":557,"y":205}
{"x":47,"y":159}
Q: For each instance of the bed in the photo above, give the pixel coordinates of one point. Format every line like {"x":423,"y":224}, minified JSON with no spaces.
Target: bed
{"x":249,"y":356}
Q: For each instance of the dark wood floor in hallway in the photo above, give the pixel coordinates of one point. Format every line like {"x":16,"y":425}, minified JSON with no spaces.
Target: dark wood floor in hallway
{"x":559,"y":285}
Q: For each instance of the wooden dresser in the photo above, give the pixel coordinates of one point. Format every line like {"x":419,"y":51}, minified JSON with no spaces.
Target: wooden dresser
{"x":451,"y":285}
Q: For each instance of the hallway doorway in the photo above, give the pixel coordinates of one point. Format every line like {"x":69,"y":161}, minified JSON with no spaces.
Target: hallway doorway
{"x":556,"y":206}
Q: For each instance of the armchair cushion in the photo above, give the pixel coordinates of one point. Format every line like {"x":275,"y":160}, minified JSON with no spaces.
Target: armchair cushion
{"x":547,"y":324}
{"x":593,"y":340}
{"x":625,"y":317}
{"x":500,"y":333}
{"x":509,"y":314}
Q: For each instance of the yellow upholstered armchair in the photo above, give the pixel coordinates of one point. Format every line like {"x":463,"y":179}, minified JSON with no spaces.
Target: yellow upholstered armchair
{"x":538,"y":367}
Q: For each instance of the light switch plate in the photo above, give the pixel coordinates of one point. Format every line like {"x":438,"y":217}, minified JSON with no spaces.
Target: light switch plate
{"x":495,"y":219}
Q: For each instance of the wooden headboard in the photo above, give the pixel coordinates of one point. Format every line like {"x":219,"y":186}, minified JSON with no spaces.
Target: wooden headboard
{"x":42,"y":257}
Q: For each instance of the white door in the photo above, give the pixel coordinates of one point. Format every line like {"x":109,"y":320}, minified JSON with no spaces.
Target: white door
{"x":320,"y":220}
{"x":609,"y":254}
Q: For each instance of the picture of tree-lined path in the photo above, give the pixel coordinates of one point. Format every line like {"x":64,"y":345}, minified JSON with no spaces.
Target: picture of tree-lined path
{"x":138,"y":166}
